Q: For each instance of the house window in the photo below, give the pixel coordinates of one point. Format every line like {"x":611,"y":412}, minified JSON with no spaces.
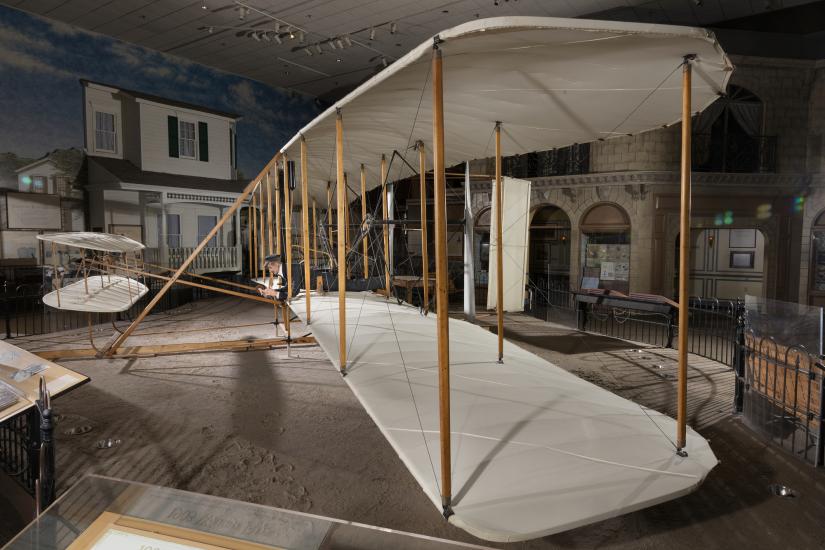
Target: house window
{"x":186,"y":139}
{"x":39,"y":184}
{"x":205,"y":225}
{"x":105,"y":136}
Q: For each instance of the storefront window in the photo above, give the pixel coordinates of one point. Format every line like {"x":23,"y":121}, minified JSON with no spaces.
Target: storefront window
{"x":605,"y":249}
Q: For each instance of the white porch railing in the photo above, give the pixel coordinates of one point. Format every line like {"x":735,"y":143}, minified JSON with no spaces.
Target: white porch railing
{"x":211,"y":258}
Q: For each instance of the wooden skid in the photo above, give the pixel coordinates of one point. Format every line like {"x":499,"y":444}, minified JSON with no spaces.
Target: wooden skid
{"x":173,"y":349}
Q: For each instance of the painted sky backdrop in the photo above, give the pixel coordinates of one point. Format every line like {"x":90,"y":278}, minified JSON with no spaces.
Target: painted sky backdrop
{"x":41,"y":101}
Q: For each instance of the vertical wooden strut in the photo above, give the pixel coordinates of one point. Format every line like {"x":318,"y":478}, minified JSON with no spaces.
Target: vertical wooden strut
{"x":277,"y":210}
{"x":386,"y":228}
{"x":314,"y":236}
{"x":342,"y":272}
{"x":425,"y":258}
{"x":684,"y":260}
{"x":288,"y":227}
{"x":261,"y":227}
{"x":257,"y":263}
{"x":365,"y":240}
{"x":441,"y":282}
{"x":269,"y":247}
{"x":188,"y":261}
{"x":305,"y":221}
{"x":331,"y":235}
{"x":249,"y":241}
{"x":499,"y":248}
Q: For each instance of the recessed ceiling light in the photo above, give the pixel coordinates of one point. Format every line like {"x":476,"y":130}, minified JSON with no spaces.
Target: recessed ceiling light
{"x":338,"y":60}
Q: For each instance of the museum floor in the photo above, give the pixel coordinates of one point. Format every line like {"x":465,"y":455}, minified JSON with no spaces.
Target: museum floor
{"x":286,"y":431}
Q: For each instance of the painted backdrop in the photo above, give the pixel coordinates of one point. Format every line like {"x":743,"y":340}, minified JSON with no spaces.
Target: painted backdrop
{"x":41,"y":107}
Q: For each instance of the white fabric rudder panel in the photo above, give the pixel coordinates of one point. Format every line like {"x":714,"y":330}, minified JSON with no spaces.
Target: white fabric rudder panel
{"x":516,"y":227}
{"x":98,"y":294}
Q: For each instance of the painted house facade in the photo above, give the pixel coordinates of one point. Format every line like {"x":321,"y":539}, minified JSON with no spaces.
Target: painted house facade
{"x":162,"y":172}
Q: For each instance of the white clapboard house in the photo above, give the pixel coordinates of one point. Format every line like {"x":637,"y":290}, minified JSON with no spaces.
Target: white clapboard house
{"x":162,"y":172}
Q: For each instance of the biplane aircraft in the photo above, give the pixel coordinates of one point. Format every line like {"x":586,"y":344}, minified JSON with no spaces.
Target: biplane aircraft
{"x":505,"y":444}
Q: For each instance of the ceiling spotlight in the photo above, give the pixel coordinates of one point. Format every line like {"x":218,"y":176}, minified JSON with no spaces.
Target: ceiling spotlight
{"x":256,"y":36}
{"x":210,"y":30}
{"x":384,"y":62}
{"x":301,"y":37}
{"x":203,"y":6}
{"x":339,"y":43}
{"x":242,"y":11}
{"x":277,"y":27}
{"x":338,"y":60}
{"x":277,"y":38}
{"x":308,"y":51}
{"x":318,"y":49}
{"x":266,"y":36}
{"x":291,"y":32}
{"x":332,"y":45}
{"x":372,"y":33}
{"x":393,"y":27}
{"x":347,"y":41}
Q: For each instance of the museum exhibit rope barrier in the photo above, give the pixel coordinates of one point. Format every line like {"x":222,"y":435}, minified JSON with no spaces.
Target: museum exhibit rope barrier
{"x":532,"y":80}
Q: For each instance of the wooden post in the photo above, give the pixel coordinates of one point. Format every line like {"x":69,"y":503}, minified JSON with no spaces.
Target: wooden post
{"x":425,"y":258}
{"x":499,"y":248}
{"x":186,"y":263}
{"x":684,"y":261}
{"x":278,"y":234}
{"x":288,"y":227}
{"x":342,"y":272}
{"x":385,"y":227}
{"x":269,"y":248}
{"x":441,"y":281}
{"x":261,"y":227}
{"x":347,"y":246}
{"x":305,"y":222}
{"x":365,"y":240}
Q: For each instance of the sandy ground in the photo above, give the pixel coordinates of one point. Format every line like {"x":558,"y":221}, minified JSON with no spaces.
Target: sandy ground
{"x":286,"y":431}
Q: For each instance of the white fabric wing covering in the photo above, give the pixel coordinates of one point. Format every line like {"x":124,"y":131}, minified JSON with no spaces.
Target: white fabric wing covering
{"x":104,"y":242}
{"x":515,"y":218}
{"x":551,"y":82}
{"x":97,"y":294}
{"x":535,"y":449}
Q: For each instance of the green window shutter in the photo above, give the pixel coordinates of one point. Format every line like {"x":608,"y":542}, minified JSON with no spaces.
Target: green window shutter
{"x":203,"y":142}
{"x":173,"y":136}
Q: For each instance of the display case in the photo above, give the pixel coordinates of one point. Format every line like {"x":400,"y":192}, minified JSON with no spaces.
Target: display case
{"x":100,"y":513}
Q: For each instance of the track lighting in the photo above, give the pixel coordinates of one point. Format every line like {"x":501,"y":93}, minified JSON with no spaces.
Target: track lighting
{"x":210,"y":30}
{"x":339,"y":43}
{"x":318,"y":49}
{"x":203,"y":6}
{"x":347,"y":41}
{"x":393,"y":27}
{"x":291,"y":33}
{"x":242,"y":12}
{"x":332,"y":45}
{"x":266,"y":37}
{"x":256,"y":37}
{"x":277,"y":38}
{"x":384,"y":62}
{"x":372,"y":33}
{"x":301,"y":37}
{"x":277,"y":27}
{"x":308,"y":51}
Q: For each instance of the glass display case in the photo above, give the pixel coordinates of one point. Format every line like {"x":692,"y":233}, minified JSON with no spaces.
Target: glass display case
{"x":100,"y":513}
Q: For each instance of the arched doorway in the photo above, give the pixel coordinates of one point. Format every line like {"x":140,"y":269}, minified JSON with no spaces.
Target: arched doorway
{"x":550,"y":248}
{"x":481,"y":254}
{"x":725,"y":263}
{"x":605,"y":248}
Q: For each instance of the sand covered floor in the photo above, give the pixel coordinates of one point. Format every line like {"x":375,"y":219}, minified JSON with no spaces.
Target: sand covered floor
{"x":286,"y":431}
